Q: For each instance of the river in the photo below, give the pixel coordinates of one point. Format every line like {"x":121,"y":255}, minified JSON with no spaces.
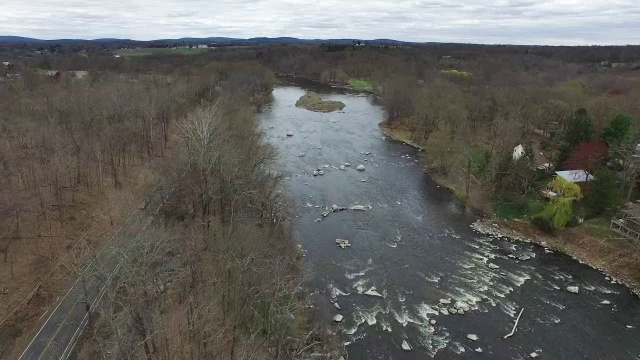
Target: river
{"x":414,"y":246}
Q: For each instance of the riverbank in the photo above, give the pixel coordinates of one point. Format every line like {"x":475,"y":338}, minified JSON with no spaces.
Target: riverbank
{"x":616,"y":258}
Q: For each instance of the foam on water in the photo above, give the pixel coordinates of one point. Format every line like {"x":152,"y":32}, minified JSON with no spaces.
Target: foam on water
{"x":335,"y":292}
{"x":352,"y":276}
{"x":361,"y":285}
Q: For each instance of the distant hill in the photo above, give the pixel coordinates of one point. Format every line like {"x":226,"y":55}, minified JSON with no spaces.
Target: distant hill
{"x":18,"y":39}
{"x":289,"y":40}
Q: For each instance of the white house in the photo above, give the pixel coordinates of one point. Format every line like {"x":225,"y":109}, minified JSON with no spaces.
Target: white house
{"x":518,"y":152}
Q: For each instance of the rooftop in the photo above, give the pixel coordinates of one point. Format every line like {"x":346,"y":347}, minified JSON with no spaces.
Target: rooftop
{"x":575,"y":176}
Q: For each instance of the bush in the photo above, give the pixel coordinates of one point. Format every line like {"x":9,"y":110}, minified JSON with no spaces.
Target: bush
{"x":543,"y":224}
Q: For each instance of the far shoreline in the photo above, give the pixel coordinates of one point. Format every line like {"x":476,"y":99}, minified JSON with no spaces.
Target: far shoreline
{"x":581,"y":247}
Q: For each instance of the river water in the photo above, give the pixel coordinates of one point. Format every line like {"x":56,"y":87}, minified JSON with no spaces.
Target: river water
{"x":414,"y":246}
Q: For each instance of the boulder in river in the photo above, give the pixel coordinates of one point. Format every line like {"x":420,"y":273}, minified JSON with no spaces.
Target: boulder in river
{"x":289,"y":133}
{"x":338,"y":318}
{"x":359,"y":207}
{"x":493,"y":266}
{"x":360,"y":167}
{"x":534,"y":354}
{"x":573,"y":289}
{"x":605,"y":302}
{"x":342,"y":167}
{"x":313,"y":102}
{"x":406,"y":346}
{"x":343,"y":243}
{"x":373,"y":292}
{"x":459,"y":305}
{"x":445,"y":301}
{"x":472,"y":337}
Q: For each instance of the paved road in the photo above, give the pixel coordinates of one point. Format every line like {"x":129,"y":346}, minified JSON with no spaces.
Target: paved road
{"x":63,"y":325}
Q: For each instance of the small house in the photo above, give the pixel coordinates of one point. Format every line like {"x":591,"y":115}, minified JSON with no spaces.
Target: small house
{"x":54,"y":75}
{"x":582,"y":178}
{"x":579,"y":177}
{"x":576,"y":176}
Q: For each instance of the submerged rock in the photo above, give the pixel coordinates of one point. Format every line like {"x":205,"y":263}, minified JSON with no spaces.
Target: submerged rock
{"x":493,"y":266}
{"x":313,"y":102}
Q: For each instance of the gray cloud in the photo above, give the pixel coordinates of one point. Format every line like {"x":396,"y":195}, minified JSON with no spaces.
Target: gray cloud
{"x":554,"y":22}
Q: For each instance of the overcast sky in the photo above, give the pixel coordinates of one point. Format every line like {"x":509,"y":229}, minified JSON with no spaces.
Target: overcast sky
{"x":552,"y":22}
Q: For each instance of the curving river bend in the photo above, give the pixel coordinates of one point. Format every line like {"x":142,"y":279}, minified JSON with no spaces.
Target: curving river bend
{"x":414,"y":246}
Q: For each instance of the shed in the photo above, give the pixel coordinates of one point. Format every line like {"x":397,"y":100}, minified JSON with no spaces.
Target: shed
{"x":575,"y":176}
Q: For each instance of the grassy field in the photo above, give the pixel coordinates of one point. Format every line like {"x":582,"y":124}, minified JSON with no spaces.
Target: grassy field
{"x":363,"y":85}
{"x":160,"y":51}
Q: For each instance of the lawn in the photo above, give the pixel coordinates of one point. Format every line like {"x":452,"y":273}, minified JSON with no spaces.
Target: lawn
{"x":508,"y":209}
{"x":160,"y":51}
{"x":363,"y":85}
{"x":599,"y":227}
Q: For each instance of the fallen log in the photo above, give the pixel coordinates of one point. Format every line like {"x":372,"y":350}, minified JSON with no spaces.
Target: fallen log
{"x":514,"y":326}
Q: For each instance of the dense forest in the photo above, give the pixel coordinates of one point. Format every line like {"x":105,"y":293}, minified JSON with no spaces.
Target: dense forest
{"x":170,"y":167}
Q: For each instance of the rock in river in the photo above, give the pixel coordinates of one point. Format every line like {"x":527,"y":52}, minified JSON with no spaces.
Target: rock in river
{"x":373,"y":292}
{"x":459,"y":305}
{"x":360,"y":167}
{"x":338,"y":318}
{"x":406,"y":346}
{"x":473,"y":337}
{"x":573,"y":289}
{"x":343,"y":243}
{"x":359,"y":207}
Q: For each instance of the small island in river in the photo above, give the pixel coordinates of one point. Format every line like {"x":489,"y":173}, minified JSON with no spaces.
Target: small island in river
{"x":313,"y":102}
